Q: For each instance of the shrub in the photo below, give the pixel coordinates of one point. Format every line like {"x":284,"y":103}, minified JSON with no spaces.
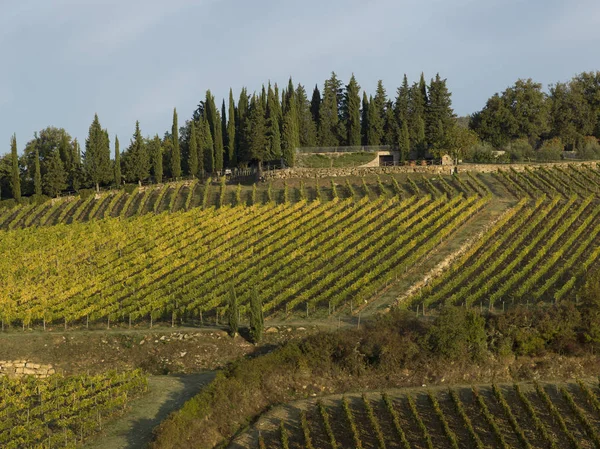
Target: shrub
{"x":551,"y":150}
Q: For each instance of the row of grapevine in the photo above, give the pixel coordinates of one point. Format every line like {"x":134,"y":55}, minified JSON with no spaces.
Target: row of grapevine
{"x":524,"y":416}
{"x":62,"y":411}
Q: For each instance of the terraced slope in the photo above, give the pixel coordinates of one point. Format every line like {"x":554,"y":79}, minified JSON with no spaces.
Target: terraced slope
{"x":504,"y":416}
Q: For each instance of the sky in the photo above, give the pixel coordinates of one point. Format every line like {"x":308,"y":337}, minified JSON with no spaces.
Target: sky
{"x":126,"y":60}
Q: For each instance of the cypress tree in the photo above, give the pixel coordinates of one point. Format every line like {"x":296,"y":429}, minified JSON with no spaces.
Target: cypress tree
{"x":257,"y":319}
{"x":377,"y":121}
{"x":402,"y":102}
{"x":256,"y":131}
{"x":76,"y":174}
{"x":224,"y":135}
{"x":207,"y":147}
{"x":55,"y":179}
{"x":96,"y":159}
{"x":439,"y":116}
{"x":390,"y":126}
{"x":364,"y":122}
{"x":416,"y":123}
{"x":66,"y":154}
{"x":315,"y":106}
{"x":307,"y":128}
{"x":15,"y":183}
{"x":351,"y":112}
{"x":231,"y":140}
{"x":404,"y":142}
{"x":176,"y":152}
{"x":193,"y":151}
{"x":273,"y":133}
{"x":118,"y":176}
{"x":214,"y":121}
{"x":329,"y":123}
{"x":37,"y":177}
{"x":232,"y":313}
{"x":373,"y":130}
{"x":241,"y":128}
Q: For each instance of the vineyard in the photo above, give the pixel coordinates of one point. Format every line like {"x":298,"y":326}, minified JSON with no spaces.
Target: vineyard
{"x":304,"y":255}
{"x":191,"y":194}
{"x":508,"y":416}
{"x":62,"y":412}
{"x":539,"y":251}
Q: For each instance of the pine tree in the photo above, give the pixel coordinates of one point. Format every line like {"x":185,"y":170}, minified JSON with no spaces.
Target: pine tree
{"x":416,"y":123}
{"x":155,"y":152}
{"x":233,"y":313}
{"x":118,"y":176}
{"x":55,"y":179}
{"x":96,"y":159}
{"x":364,"y":120}
{"x":37,"y":177}
{"x":231,"y":140}
{"x":329,"y":123}
{"x":402,"y":102}
{"x":307,"y":128}
{"x":257,"y":319}
{"x":193,"y":151}
{"x":351,"y":112}
{"x":136,"y":160}
{"x":176,"y":152}
{"x":439,"y":116}
{"x":15,"y":182}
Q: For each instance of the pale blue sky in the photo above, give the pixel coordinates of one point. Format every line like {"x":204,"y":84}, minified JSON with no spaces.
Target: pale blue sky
{"x":64,"y":60}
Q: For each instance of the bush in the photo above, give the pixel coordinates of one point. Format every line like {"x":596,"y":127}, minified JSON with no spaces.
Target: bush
{"x":520,"y":150}
{"x":458,"y":334}
{"x":86,"y":193}
{"x":481,"y":153}
{"x":130,"y":188}
{"x":551,"y":150}
{"x":39,"y":199}
{"x":590,"y":150}
{"x":8,"y":204}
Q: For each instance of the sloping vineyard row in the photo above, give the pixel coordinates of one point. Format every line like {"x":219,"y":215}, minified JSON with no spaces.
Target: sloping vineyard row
{"x":297,"y":255}
{"x":62,"y":411}
{"x":522,"y":415}
{"x":180,"y":196}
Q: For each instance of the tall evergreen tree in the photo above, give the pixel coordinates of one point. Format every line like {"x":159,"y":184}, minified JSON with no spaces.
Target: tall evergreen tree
{"x":273,"y":126}
{"x":291,"y":138}
{"x":257,"y":131}
{"x":439,"y":116}
{"x":214,"y":121}
{"x":351,"y":112}
{"x":315,"y":106}
{"x":15,"y":182}
{"x":176,"y":151}
{"x":307,"y":128}
{"x":241,"y":128}
{"x":401,"y":106}
{"x":416,"y":122}
{"x":118,"y":176}
{"x":76,"y":174}
{"x":390,"y":126}
{"x":364,"y":120}
{"x":96,"y":159}
{"x":208,"y":148}
{"x":136,"y":160}
{"x":404,"y":141}
{"x":37,"y":177}
{"x":231,"y":140}
{"x":377,"y":117}
{"x":155,"y":153}
{"x":373,"y":124}
{"x":224,"y":135}
{"x":55,"y":179}
{"x":193,"y":151}
{"x":329,"y":123}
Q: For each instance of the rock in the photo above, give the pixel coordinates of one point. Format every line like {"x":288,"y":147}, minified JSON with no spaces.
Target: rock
{"x":163,"y":338}
{"x":271,"y":330}
{"x":142,"y":342}
{"x":182,"y":354}
{"x":32,"y":365}
{"x":301,"y":329}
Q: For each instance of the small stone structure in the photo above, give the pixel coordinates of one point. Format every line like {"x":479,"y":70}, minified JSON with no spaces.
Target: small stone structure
{"x":21,"y":368}
{"x":447,"y":160}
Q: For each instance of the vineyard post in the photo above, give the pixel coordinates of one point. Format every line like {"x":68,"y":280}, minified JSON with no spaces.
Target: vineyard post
{"x":65,"y":323}
{"x":150,"y":320}
{"x":108,"y":322}
{"x":339,"y":321}
{"x":87,"y":321}
{"x":423,"y":308}
{"x":417,"y":310}
{"x":130,"y":321}
{"x":44,"y":321}
{"x":201,"y":320}
{"x":173,"y":319}
{"x":358,"y":325}
{"x":306,"y":310}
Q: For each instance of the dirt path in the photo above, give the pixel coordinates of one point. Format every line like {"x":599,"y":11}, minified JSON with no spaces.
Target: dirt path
{"x":134,"y":430}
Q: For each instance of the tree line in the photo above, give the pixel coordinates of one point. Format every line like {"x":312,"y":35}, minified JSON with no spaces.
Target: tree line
{"x":266,"y":126}
{"x":529,"y":123}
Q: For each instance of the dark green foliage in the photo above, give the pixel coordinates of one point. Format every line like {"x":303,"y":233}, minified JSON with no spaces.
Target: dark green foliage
{"x":96,"y":159}
{"x":330,"y":129}
{"x":307,"y":128}
{"x":207,"y":146}
{"x":193,"y":151}
{"x":404,"y":142}
{"x":315,"y":105}
{"x":241,"y":127}
{"x":175,"y":150}
{"x":233,"y":312}
{"x":231,"y":133}
{"x":439,"y":113}
{"x":364,"y":120}
{"x":55,"y":179}
{"x":377,"y":107}
{"x":458,"y":333}
{"x":257,"y":319}
{"x":273,"y":126}
{"x":214,"y":121}
{"x":351,"y":113}
{"x":155,"y":152}
{"x":118,"y":175}
{"x":256,"y":131}
{"x":136,"y":163}
{"x":37,"y":177}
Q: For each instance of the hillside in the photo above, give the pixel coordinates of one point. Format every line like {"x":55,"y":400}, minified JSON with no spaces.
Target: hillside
{"x":501,"y":416}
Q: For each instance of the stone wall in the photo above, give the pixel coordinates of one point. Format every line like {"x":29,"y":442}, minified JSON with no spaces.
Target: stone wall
{"x":20,"y":368}
{"x":431,"y":169}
